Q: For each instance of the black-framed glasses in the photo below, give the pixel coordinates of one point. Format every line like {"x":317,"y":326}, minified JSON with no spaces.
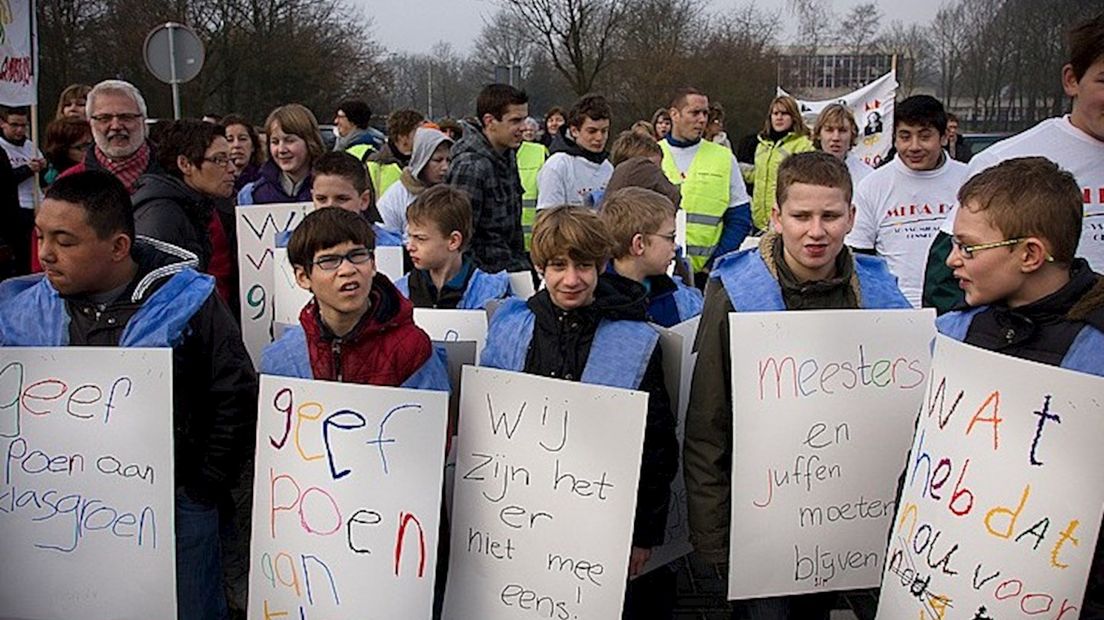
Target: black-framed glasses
{"x":330,"y":262}
{"x":968,"y":251}
{"x":126,"y":117}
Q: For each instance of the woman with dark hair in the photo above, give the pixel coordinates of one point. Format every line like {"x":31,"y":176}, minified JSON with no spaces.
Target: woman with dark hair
{"x":661,"y":121}
{"x":67,"y":139}
{"x":294,"y":143}
{"x":245,"y":149}
{"x":554,"y":121}
{"x":784,"y":133}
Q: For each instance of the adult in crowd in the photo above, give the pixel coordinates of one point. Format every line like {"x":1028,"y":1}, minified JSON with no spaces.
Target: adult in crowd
{"x":246,"y":150}
{"x":105,"y":287}
{"x":718,"y":212}
{"x":836,"y":133}
{"x":531,"y":157}
{"x":26,"y":163}
{"x":429,"y":164}
{"x":579,"y":164}
{"x":715,"y":125}
{"x":451,"y":128}
{"x":386,"y":166}
{"x":530,"y":130}
{"x":294,"y":142}
{"x":67,"y":139}
{"x":73,"y":101}
{"x":957,"y":147}
{"x":661,"y":122}
{"x":484,"y":165}
{"x":177,"y":206}
{"x":1074,"y":141}
{"x":353,"y":122}
{"x":554,"y":120}
{"x":784,"y":133}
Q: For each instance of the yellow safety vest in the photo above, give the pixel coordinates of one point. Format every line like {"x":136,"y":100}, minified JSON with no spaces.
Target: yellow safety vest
{"x":768,"y":157}
{"x":706,"y":190}
{"x":360,"y":151}
{"x":530,"y":157}
{"x":383,"y":176}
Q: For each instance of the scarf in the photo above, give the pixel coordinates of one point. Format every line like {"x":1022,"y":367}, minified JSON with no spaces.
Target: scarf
{"x":127,"y":170}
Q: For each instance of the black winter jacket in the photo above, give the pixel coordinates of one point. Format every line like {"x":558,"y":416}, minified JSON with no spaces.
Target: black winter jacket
{"x":214,"y":385}
{"x":168,"y":210}
{"x":560,"y":346}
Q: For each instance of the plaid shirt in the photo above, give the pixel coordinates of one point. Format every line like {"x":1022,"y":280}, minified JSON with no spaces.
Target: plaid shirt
{"x":492,"y":182}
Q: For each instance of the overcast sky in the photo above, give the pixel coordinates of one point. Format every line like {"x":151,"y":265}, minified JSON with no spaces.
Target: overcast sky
{"x":415,"y":25}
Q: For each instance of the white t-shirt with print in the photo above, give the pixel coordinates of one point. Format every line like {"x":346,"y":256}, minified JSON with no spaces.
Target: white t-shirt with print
{"x":569,"y":180}
{"x":21,"y":155}
{"x":1073,"y":150}
{"x":858,"y":168}
{"x":897,"y":213}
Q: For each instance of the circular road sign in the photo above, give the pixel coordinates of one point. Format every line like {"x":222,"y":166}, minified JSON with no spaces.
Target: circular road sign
{"x":174,"y":54}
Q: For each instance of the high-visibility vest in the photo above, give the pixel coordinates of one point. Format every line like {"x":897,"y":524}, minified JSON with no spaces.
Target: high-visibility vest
{"x":768,"y":157}
{"x":383,"y":176}
{"x":530,"y":157}
{"x":706,"y":190}
{"x":360,"y":151}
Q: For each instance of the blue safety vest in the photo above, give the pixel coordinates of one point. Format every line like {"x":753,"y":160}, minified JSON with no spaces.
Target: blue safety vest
{"x":482,"y":288}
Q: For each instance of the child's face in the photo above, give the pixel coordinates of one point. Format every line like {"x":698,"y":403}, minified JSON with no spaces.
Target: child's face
{"x":990,"y":275}
{"x":570,"y":284}
{"x":835,"y":140}
{"x":429,"y":248}
{"x":341,"y":291}
{"x":813,"y":222}
{"x":437,"y":167}
{"x":289,"y":151}
{"x":919,"y":147}
{"x":331,"y":190}
{"x":659,"y":248}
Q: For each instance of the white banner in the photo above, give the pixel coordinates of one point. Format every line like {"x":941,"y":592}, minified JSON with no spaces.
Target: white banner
{"x":1003,"y":492}
{"x":872,"y":106}
{"x":545,"y":495}
{"x":823,"y":409}
{"x":346,"y":500}
{"x":86,"y":500}
{"x":257,"y":229}
{"x":18,"y":54}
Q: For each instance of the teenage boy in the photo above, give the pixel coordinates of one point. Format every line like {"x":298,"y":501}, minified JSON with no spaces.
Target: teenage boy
{"x":579,"y":164}
{"x":802,"y":264}
{"x":1015,"y":236}
{"x":438,"y":226}
{"x":642,"y":224}
{"x":386,"y":165}
{"x":900,"y":206}
{"x":357,"y":328}
{"x":1074,"y":141}
{"x":103,"y":287}
{"x":585,"y":327}
{"x":341,"y":181}
{"x":836,"y":133}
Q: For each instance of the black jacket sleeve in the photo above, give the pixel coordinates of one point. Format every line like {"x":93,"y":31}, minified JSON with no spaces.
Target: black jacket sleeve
{"x":165,"y":220}
{"x":659,"y":461}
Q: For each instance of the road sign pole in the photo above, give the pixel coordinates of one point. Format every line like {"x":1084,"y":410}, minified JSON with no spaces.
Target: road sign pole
{"x":173,"y":80}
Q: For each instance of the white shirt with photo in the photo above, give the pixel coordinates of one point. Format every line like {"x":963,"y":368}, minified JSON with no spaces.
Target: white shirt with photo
{"x":569,"y":180}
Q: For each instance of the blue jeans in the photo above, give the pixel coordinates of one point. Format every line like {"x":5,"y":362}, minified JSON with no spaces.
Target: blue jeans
{"x":199,"y":593}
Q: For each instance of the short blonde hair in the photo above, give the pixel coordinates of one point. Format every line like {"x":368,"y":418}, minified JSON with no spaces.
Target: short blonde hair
{"x":632,"y":211}
{"x":835,"y":115}
{"x":574,"y":232}
{"x":298,"y":120}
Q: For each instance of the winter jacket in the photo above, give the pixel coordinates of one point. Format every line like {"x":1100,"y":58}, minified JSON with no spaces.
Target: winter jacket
{"x":491,"y":180}
{"x":167,"y":304}
{"x":768,"y":157}
{"x":742,"y":282}
{"x":669,"y":301}
{"x":165,"y":208}
{"x":385,"y":348}
{"x":605,"y":343}
{"x":269,"y":188}
{"x":385,"y":166}
{"x":470,"y":289}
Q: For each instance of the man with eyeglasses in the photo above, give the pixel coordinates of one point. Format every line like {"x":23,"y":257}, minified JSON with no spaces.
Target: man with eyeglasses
{"x":105,"y":287}
{"x":117,"y":113}
{"x":177,"y":205}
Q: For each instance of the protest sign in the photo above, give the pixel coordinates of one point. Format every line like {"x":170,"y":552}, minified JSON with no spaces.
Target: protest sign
{"x":677,"y":343}
{"x":258,"y":226}
{"x":823,"y":410}
{"x":18,"y":54}
{"x":454,"y":326}
{"x":87,"y":484}
{"x":545,"y":494}
{"x":346,"y":500}
{"x":1002,"y":495}
{"x":521,"y":284}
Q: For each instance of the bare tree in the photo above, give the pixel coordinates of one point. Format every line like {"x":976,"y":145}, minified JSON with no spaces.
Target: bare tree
{"x":915,"y":54}
{"x":859,"y":29}
{"x":815,"y":20}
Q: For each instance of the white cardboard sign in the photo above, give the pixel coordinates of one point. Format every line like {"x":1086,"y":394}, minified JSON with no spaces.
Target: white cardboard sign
{"x":86,"y":495}
{"x":823,"y":410}
{"x":346,"y":504}
{"x":545,"y":494}
{"x":454,"y":326}
{"x":1003,"y":491}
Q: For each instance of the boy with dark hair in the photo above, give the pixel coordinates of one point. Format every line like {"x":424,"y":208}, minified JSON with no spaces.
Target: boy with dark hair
{"x":103,"y":287}
{"x":484,"y":165}
{"x":642,"y":224}
{"x":357,"y":328}
{"x":899,"y":206}
{"x":1074,"y":141}
{"x":802,"y":264}
{"x":438,"y":225}
{"x":352,"y":122}
{"x":579,"y":164}
{"x":385,"y":166}
{"x":583,"y":327}
{"x":1015,"y":234}
{"x":341,"y":181}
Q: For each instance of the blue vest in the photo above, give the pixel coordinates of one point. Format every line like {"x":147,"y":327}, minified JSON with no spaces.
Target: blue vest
{"x":619,"y":354}
{"x":751,"y":288}
{"x":288,"y":357}
{"x":36,"y":316}
{"x":482,"y":288}
{"x":1086,"y":353}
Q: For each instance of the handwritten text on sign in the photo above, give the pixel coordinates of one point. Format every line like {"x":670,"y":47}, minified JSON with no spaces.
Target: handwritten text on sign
{"x":1003,"y":492}
{"x":87,"y":482}
{"x":257,"y":229}
{"x":823,"y":409}
{"x":546,"y":478}
{"x":346,"y":500}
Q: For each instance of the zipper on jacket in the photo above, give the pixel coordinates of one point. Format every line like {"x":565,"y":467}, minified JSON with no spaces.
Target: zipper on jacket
{"x":335,"y":349}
